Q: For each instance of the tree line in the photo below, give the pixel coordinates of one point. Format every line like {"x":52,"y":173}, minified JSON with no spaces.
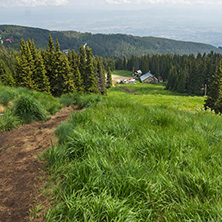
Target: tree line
{"x":102,"y":44}
{"x":185,"y":74}
{"x":52,"y":71}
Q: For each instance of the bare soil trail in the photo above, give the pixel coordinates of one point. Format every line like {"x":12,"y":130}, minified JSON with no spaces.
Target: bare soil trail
{"x":116,"y":77}
{"x":19,"y":167}
{"x":130,"y":91}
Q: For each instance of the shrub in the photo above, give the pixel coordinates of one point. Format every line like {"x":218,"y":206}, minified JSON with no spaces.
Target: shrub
{"x":81,"y":101}
{"x":29,"y":109}
{"x":8,"y":121}
{"x":69,"y":99}
{"x":6,"y":97}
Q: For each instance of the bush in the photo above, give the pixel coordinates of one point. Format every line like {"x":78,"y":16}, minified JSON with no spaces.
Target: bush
{"x":8,"y":121}
{"x":6,"y":97}
{"x":68,"y":100}
{"x":29,"y":109}
{"x":81,"y":101}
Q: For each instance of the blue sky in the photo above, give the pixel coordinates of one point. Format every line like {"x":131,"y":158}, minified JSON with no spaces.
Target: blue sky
{"x":189,"y":20}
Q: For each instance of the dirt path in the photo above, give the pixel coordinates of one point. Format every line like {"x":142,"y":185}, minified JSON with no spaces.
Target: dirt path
{"x":19,"y":169}
{"x":116,"y":77}
{"x":127,"y":90}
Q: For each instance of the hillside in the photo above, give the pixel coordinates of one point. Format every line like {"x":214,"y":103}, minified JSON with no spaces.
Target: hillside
{"x":142,"y":154}
{"x":102,"y":44}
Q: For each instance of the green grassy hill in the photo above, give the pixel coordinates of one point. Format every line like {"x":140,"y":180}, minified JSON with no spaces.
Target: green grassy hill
{"x":150,"y":155}
{"x":21,"y":105}
{"x":104,"y":45}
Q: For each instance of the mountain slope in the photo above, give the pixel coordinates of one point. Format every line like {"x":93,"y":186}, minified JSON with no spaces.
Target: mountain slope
{"x":102,"y":44}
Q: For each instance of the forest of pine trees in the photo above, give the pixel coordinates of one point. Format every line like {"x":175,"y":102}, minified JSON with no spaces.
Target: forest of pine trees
{"x":214,"y":99}
{"x":51,"y":71}
{"x":187,"y":73}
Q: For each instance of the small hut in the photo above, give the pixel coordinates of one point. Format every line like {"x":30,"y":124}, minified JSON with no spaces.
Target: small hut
{"x":148,"y":78}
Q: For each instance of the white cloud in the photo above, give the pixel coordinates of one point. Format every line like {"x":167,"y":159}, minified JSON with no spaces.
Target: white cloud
{"x":175,"y":2}
{"x":32,"y":3}
{"x":118,"y":2}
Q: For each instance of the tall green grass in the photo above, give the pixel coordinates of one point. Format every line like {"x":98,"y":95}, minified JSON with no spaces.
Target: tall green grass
{"x":154,"y":94}
{"x":28,"y":109}
{"x":9,"y":94}
{"x":122,"y":73}
{"x":8,"y":121}
{"x":23,"y":106}
{"x":80,"y":100}
{"x":128,"y":161}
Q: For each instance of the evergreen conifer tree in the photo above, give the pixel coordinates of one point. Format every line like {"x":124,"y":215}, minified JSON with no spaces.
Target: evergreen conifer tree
{"x":41,"y":81}
{"x":66,"y":76}
{"x":171,"y":84}
{"x":31,"y":46}
{"x":181,"y":81}
{"x":63,"y":81}
{"x":214,"y":99}
{"x":6,"y":77}
{"x":195,"y":83}
{"x":49,"y":60}
{"x":101,"y":78}
{"x":109,"y":79}
{"x":78,"y":81}
{"x":82,"y":66}
{"x":24,"y":73}
{"x":23,"y":50}
{"x":90,"y":77}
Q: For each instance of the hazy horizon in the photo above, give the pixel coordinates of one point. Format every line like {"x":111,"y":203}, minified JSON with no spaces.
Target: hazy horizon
{"x":197,"y":21}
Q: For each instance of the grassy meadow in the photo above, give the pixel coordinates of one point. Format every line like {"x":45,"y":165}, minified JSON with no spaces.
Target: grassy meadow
{"x":148,"y":155}
{"x":155,"y":94}
{"x":21,"y":106}
{"x":125,"y":73}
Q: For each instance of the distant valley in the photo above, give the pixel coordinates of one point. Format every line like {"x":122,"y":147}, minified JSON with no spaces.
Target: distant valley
{"x":103,"y":44}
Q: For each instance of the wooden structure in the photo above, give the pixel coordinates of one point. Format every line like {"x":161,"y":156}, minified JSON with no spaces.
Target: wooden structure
{"x":148,"y":78}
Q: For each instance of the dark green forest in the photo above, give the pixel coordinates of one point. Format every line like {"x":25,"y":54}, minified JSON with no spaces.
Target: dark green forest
{"x":51,"y":70}
{"x":194,"y":75}
{"x":115,"y":45}
{"x":186,"y":73}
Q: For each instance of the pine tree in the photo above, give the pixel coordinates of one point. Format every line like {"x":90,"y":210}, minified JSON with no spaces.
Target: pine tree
{"x":195,"y":83}
{"x":101,"y":78}
{"x":41,"y":81}
{"x":181,"y":81}
{"x":109,"y":79}
{"x":24,"y":67}
{"x":78,"y":81}
{"x":23,"y":50}
{"x":66,"y":77}
{"x":171,"y":84}
{"x":111,"y":63}
{"x":6,"y":77}
{"x":90,"y":78}
{"x":32,"y":48}
{"x":63,"y":80}
{"x":23,"y":73}
{"x":49,"y":61}
{"x":214,"y":99}
{"x":82,"y":66}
